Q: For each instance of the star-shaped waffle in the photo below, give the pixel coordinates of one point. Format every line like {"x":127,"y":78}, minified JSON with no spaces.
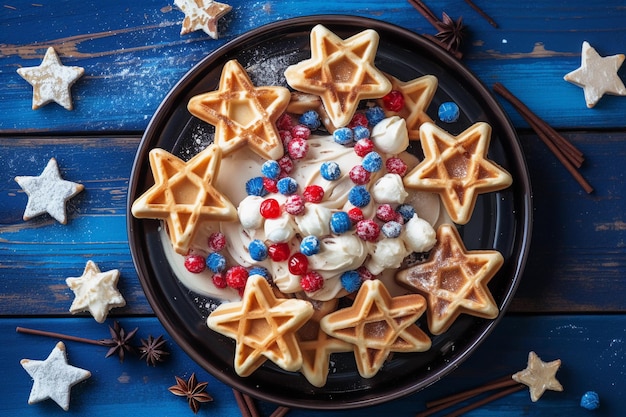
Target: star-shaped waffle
{"x":317,"y":346}
{"x":263,"y":326}
{"x":201,"y":14}
{"x":377,"y":324}
{"x":95,"y":291}
{"x":183,"y":195}
{"x":51,"y":80}
{"x":417,"y":94}
{"x":597,"y":75}
{"x":53,"y":378}
{"x":341,"y":72}
{"x":242,"y":113}
{"x":453,"y":280}
{"x":457,"y":168}
{"x":48,"y":193}
{"x":539,"y":376}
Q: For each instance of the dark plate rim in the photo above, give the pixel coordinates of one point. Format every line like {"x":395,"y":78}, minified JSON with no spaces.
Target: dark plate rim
{"x":521,"y":183}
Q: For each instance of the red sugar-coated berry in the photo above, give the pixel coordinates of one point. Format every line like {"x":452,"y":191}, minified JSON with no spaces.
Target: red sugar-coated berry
{"x":363,"y":146}
{"x":298,"y":263}
{"x":301,"y":132}
{"x":297,"y":148}
{"x":217,"y":241}
{"x":219,"y":280}
{"x":236,"y":277}
{"x":367,"y":230}
{"x":270,"y":185}
{"x":278,"y":252}
{"x":365,"y":273}
{"x":284,"y":122}
{"x":385,"y":213}
{"x":396,"y":165}
{"x":399,"y":218}
{"x":359,"y":175}
{"x":359,"y":119}
{"x":270,"y":208}
{"x":313,"y":193}
{"x":393,"y":101}
{"x":195,"y":263}
{"x":286,"y":164}
{"x":285,"y":137}
{"x":294,"y":205}
{"x":311,"y":281}
{"x":356,"y":215}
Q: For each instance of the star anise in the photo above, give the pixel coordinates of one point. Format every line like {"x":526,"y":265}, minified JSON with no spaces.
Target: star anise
{"x":193,"y":390}
{"x":120,"y":341}
{"x":451,"y":33}
{"x":153,"y":350}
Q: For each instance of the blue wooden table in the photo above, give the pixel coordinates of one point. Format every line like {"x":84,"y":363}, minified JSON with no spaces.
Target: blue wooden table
{"x":571,"y":303}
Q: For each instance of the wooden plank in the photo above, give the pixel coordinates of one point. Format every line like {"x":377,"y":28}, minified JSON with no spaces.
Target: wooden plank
{"x":591,"y":348}
{"x":577,"y":237}
{"x":133,"y":54}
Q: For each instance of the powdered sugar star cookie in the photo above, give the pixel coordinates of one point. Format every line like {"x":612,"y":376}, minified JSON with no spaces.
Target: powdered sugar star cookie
{"x":53,"y":377}
{"x":202,"y":14}
{"x":95,"y":291}
{"x":48,"y":193}
{"x":539,"y":376}
{"x":51,"y":80}
{"x":597,"y":75}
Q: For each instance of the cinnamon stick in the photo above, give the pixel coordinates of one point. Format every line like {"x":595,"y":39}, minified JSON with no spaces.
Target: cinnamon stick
{"x":482,"y":13}
{"x":241,"y":403}
{"x":426,"y":12}
{"x":484,"y":401}
{"x":489,"y":386}
{"x":251,"y":406}
{"x":59,"y":336}
{"x":280,"y":412}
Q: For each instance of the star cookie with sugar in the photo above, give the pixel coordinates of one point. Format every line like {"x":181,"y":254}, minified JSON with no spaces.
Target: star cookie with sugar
{"x":243,"y":113}
{"x":184,"y":196}
{"x":539,"y":376}
{"x":417,"y":95}
{"x":48,"y":193}
{"x":263,"y":326}
{"x":51,"y":81}
{"x":597,"y":75}
{"x":378,"y":324}
{"x":202,"y":15}
{"x":53,"y":378}
{"x":341,"y":72}
{"x":95,"y":291}
{"x":453,"y":280}
{"x":457,"y":168}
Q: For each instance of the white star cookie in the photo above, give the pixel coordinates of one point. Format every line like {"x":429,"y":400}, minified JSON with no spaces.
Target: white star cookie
{"x":539,"y":376}
{"x":95,"y":291}
{"x":48,"y":193}
{"x":597,"y":75}
{"x":51,"y":80}
{"x":202,"y":14}
{"x":53,"y":378}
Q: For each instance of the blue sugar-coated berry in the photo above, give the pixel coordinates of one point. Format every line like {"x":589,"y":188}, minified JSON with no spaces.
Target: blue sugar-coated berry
{"x":340,"y":222}
{"x":372,"y":162}
{"x":287,"y":186}
{"x":358,"y":196}
{"x":310,"y":119}
{"x":270,"y":169}
{"x":375,"y":115}
{"x":449,"y":112}
{"x":343,"y":136}
{"x":590,"y":400}
{"x":254,"y":186}
{"x":351,"y":281}
{"x":391,"y":229}
{"x":257,"y":249}
{"x":216,"y":262}
{"x":406,"y":211}
{"x":360,"y":132}
{"x":310,"y":245}
{"x":330,"y":171}
{"x":259,"y":270}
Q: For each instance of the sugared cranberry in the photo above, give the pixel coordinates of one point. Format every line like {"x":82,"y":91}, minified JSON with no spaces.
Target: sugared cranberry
{"x":365,"y":273}
{"x":297,"y":148}
{"x":385,"y":213}
{"x":396,"y":165}
{"x":363,"y":146}
{"x":270,"y":208}
{"x":219,"y":280}
{"x":355,"y":214}
{"x":368,"y":230}
{"x":286,"y":164}
{"x":284,"y":122}
{"x":359,"y":175}
{"x":298,"y":264}
{"x":313,"y":193}
{"x":236,"y":277}
{"x":359,"y":119}
{"x":294,"y":205}
{"x":278,"y":252}
{"x":393,"y":101}
{"x":270,"y":185}
{"x":195,"y":263}
{"x":311,"y":281}
{"x":217,"y":241}
{"x":300,"y":132}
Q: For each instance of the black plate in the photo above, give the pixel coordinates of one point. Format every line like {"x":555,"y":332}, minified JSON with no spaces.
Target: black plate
{"x":501,"y":220}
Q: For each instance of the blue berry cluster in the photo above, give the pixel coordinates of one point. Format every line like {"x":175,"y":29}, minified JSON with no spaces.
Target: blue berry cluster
{"x":310,"y":245}
{"x":257,"y":249}
{"x":254,"y":186}
{"x":340,"y":222}
{"x":270,"y":169}
{"x":287,"y":185}
{"x":310,"y":119}
{"x":372,"y":162}
{"x":449,"y":112}
{"x":375,"y":115}
{"x":330,"y":170}
{"x":343,"y":136}
{"x":359,"y":196}
{"x":216,"y":262}
{"x":350,"y":281}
